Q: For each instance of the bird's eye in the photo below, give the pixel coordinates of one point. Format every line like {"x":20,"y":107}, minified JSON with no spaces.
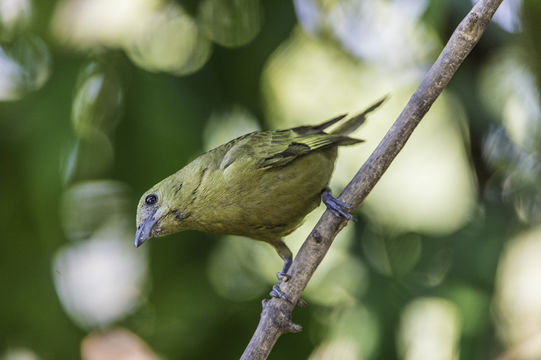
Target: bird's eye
{"x":151,"y":199}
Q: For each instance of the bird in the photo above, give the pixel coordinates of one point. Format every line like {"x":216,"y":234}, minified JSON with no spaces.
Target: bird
{"x":260,"y":185}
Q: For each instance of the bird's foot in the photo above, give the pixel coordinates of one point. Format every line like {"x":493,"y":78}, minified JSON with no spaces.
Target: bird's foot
{"x":337,"y":207}
{"x":278,"y":293}
{"x":283,"y":277}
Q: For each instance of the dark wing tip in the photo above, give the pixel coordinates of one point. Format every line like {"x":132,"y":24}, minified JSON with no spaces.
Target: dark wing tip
{"x":377,"y":104}
{"x":309,"y":129}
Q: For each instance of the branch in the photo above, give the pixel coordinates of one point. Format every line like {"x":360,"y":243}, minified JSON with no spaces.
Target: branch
{"x":276,"y":315}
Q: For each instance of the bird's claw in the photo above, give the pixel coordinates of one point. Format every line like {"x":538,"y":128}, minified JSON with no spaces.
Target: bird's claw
{"x":277,"y":293}
{"x":283,"y":277}
{"x":336,"y":206}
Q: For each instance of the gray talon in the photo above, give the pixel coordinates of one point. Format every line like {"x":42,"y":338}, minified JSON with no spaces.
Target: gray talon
{"x":336,"y":206}
{"x":277,"y":293}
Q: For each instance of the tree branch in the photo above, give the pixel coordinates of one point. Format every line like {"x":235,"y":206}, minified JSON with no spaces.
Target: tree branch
{"x":276,"y":315}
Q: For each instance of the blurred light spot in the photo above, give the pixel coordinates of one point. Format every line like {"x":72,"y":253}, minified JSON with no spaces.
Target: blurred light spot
{"x":521,"y":172}
{"x":516,"y":120}
{"x":86,"y":206}
{"x":227,"y":125}
{"x":429,"y":330}
{"x":93,"y":23}
{"x":169,"y":40}
{"x":509,"y":90}
{"x":14,"y":16}
{"x":339,"y":279}
{"x":232,"y":268}
{"x":473,"y":306}
{"x":518,"y":292}
{"x":528,"y":206}
{"x":9,"y":77}
{"x":19,"y":354}
{"x":353,"y":334}
{"x":508,"y":15}
{"x":346,"y":349}
{"x":438,"y":268}
{"x":294,"y":96}
{"x":437,"y":189}
{"x":115,"y":344}
{"x":231,"y":23}
{"x":98,"y":101}
{"x":100,"y":280}
{"x":88,"y":157}
{"x":24,"y":67}
{"x":156,"y":35}
{"x":367,"y":29}
{"x":529,"y":349}
{"x":309,"y":15}
{"x":392,"y":255}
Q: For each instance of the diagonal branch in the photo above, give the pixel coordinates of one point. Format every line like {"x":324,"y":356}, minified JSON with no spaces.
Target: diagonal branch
{"x":276,"y":315}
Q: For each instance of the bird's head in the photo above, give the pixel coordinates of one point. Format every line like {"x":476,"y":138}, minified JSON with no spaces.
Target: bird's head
{"x":158,"y":213}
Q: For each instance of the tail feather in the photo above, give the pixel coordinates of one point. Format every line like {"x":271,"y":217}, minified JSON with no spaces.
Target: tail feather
{"x":352,"y":124}
{"x":312,"y":129}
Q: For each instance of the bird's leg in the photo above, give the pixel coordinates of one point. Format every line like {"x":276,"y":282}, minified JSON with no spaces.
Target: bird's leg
{"x":287,"y":256}
{"x":283,"y":276}
{"x":337,"y":207}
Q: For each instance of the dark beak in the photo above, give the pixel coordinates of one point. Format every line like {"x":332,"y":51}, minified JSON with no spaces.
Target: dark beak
{"x":144,"y":229}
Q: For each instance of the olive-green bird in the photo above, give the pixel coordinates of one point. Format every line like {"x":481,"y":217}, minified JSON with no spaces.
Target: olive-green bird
{"x":260,"y":185}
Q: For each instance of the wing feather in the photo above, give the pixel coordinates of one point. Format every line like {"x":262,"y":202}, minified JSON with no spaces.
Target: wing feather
{"x":297,"y":146}
{"x":272,"y":149}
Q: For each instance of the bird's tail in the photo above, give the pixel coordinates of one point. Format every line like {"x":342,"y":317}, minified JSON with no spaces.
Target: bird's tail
{"x":352,"y":124}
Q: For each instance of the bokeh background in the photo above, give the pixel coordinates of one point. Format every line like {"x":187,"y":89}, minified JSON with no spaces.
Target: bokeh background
{"x":101,"y":99}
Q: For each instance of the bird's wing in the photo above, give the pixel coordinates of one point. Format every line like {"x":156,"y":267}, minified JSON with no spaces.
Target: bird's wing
{"x":282,"y":147}
{"x":272,"y":157}
{"x":271,"y":149}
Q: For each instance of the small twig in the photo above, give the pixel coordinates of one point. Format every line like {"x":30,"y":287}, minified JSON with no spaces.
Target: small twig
{"x":276,"y":316}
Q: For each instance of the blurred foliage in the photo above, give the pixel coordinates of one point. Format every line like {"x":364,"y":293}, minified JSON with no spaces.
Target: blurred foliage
{"x":99,"y":100}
